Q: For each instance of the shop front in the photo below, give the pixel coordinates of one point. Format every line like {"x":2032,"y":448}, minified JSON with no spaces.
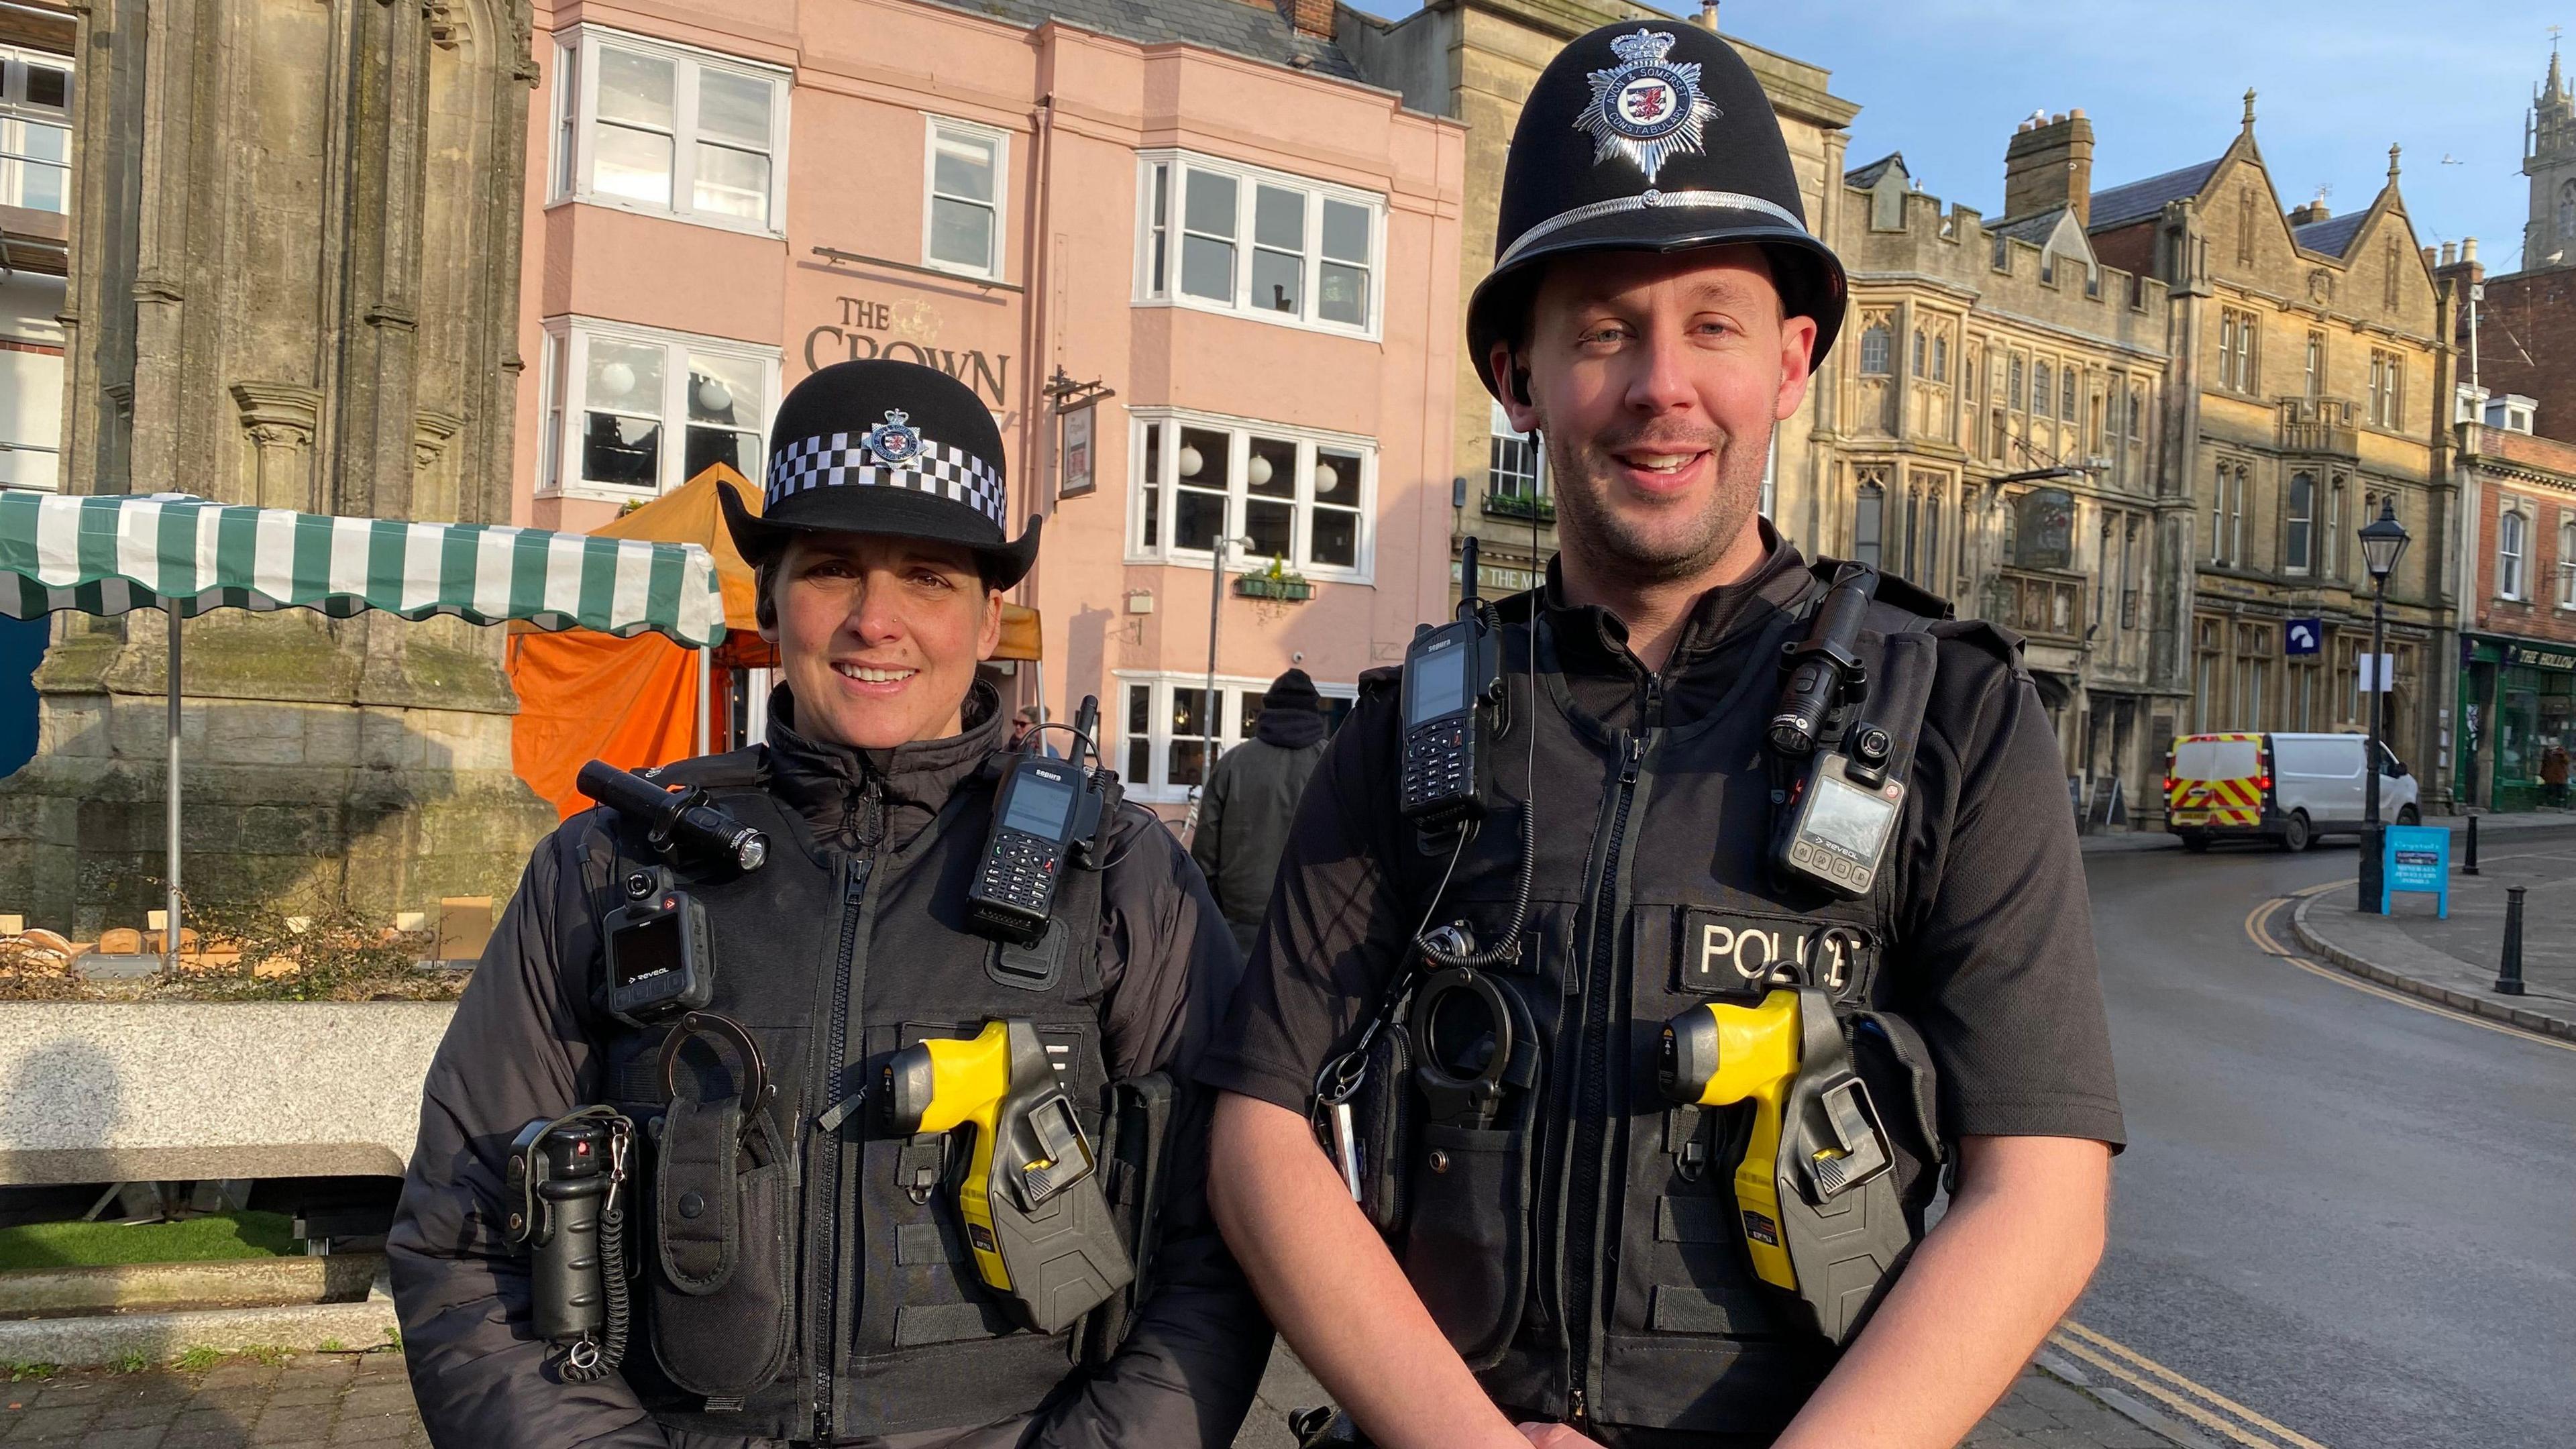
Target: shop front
{"x":2518,"y":722}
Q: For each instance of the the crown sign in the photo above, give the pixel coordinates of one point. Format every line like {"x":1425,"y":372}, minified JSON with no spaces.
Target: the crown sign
{"x":1643,"y":48}
{"x":897,"y":417}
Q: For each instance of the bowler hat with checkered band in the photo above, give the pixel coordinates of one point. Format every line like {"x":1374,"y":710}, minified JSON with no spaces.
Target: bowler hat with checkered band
{"x":1649,"y":136}
{"x":883,"y":447}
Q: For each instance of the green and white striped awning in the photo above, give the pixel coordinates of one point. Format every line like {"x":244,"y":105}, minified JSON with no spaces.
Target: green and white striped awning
{"x":109,"y":554}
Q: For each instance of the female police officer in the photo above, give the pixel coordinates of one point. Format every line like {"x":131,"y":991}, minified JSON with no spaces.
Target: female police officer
{"x":804,"y":1279}
{"x":1567,"y":1230}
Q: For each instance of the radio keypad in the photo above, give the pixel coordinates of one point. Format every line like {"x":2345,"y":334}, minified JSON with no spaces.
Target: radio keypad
{"x":1020,"y":869}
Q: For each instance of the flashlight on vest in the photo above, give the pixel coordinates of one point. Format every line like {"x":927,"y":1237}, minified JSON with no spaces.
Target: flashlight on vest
{"x":1721,"y":1054}
{"x":1035,"y":1217}
{"x":676,"y":819}
{"x":1824,"y":669}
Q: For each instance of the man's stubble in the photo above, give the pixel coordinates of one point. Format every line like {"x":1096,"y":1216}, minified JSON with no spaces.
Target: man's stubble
{"x":1615,"y":547}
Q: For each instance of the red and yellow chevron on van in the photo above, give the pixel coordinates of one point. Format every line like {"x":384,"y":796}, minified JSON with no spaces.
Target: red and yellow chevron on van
{"x":2218,"y":784}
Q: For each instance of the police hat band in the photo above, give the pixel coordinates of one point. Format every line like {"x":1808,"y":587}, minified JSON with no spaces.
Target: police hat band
{"x":888,"y":456}
{"x":1648,"y":200}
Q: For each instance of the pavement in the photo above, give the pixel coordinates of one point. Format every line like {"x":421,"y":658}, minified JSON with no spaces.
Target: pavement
{"x":316,"y":1400}
{"x":2341,"y":1219}
{"x":296,"y":1400}
{"x":2456,"y":961}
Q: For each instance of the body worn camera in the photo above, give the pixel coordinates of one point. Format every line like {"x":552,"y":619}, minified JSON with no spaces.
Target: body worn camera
{"x":660,"y":958}
{"x":1838,"y":813}
{"x":1451,"y":672}
{"x":1046,"y":813}
{"x":1837,"y":823}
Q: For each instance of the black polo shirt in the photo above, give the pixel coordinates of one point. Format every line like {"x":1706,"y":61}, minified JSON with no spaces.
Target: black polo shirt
{"x":1994,"y":961}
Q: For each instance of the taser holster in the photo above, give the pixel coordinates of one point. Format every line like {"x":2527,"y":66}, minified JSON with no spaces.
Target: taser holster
{"x":1842,"y":1221}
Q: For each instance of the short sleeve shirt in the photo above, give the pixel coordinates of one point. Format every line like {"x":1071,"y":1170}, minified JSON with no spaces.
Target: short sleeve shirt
{"x":1995,"y":963}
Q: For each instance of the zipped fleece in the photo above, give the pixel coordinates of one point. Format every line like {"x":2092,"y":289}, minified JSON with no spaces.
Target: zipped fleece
{"x":529,"y":1040}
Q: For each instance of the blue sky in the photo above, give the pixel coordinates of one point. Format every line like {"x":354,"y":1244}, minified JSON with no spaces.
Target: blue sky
{"x":1945,"y":81}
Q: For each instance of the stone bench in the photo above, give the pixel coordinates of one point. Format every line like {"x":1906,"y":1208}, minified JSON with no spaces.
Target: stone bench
{"x":167,"y":1091}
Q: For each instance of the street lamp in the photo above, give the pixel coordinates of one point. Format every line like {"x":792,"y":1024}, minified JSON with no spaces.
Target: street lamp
{"x":2382,"y":540}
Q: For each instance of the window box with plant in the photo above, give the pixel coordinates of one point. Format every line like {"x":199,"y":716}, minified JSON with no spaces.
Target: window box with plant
{"x":1275,"y":582}
{"x":1538,"y":506}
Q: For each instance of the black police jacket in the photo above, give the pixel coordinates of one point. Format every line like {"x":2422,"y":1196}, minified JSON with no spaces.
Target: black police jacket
{"x":832,"y":1304}
{"x":1583,"y":1253}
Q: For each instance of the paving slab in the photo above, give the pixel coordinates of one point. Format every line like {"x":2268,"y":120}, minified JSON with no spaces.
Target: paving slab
{"x":243,"y":1403}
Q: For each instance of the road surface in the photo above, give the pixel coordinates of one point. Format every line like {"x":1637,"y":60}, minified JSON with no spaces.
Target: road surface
{"x":2342,"y":1220}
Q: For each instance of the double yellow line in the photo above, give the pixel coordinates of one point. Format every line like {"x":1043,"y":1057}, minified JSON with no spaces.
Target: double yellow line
{"x":2258,"y":929}
{"x":2197,"y":1402}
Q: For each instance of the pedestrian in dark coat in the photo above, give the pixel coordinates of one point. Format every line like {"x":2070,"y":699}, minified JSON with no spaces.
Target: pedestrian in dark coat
{"x":1252,"y":798}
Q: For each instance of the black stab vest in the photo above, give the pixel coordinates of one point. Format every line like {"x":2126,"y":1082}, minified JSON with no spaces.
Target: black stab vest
{"x":1652,"y":892}
{"x":842,"y":1293}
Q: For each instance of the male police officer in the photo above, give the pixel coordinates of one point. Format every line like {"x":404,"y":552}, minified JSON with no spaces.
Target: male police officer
{"x":1572,"y":1253}
{"x":799,"y":1277}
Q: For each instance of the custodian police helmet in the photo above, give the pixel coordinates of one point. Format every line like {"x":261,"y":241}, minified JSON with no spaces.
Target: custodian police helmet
{"x":1649,"y":136}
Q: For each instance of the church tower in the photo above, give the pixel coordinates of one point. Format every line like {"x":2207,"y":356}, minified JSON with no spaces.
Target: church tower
{"x":2549,"y":159}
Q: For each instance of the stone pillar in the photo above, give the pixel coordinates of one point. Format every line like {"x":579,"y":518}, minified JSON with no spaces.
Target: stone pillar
{"x":331,"y":330}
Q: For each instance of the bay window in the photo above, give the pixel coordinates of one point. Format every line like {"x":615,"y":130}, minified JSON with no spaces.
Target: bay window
{"x":1300,"y":495}
{"x":1164,"y":724}
{"x":1257,"y":242}
{"x":646,"y":125}
{"x":632,"y":412}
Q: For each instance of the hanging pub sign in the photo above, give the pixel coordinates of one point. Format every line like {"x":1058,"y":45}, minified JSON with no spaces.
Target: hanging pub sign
{"x":1076,"y":437}
{"x":1073,"y":449}
{"x":2044,"y":529}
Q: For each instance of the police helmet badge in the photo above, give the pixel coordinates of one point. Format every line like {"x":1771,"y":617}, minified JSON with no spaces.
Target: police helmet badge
{"x":893,"y":442}
{"x":1646,"y":109}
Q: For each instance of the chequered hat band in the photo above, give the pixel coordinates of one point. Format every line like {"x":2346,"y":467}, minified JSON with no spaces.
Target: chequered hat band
{"x":841,"y":460}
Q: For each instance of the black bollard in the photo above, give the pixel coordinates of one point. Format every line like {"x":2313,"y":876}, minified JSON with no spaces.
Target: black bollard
{"x":2472,"y":867}
{"x":2509,"y":975}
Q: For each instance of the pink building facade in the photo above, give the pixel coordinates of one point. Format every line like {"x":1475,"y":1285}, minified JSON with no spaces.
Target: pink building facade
{"x":1207,"y":285}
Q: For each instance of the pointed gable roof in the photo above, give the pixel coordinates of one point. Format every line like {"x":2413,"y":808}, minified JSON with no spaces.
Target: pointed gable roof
{"x":2140,"y":200}
{"x":1867,"y":176}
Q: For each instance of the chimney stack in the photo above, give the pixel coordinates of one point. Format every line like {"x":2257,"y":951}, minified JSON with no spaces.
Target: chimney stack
{"x":1708,"y":16}
{"x":2468,"y":249}
{"x":2049,"y":163}
{"x":2450,"y":254}
{"x":1310,"y":17}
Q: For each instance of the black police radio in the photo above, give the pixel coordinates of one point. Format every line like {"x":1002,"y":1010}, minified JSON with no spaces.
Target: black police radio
{"x":1835,"y":823}
{"x":1046,"y":815}
{"x":1452,"y":674}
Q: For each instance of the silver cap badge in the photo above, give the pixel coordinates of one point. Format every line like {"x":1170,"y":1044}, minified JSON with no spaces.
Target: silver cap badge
{"x":892,"y":442}
{"x":1647,"y":109}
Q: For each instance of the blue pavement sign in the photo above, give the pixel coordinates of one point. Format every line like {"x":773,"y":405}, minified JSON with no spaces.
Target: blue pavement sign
{"x":2419,"y":863}
{"x":2303,"y":636}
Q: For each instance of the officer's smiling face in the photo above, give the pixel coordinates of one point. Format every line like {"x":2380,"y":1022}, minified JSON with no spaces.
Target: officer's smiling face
{"x":1656,"y":379}
{"x":879,"y":637}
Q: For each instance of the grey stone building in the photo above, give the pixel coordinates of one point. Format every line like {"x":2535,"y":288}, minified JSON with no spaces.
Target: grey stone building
{"x":294,"y":264}
{"x":1987,"y":430}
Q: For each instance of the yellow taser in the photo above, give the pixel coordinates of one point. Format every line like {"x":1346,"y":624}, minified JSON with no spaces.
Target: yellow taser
{"x":1718,"y":1055}
{"x":937,"y":1085}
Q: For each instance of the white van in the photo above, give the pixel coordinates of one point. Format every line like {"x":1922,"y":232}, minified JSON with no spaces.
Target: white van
{"x":2291,"y":789}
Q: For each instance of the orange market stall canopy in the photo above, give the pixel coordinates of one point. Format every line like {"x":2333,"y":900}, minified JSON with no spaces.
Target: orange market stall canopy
{"x":643,"y":700}
{"x":186,"y":556}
